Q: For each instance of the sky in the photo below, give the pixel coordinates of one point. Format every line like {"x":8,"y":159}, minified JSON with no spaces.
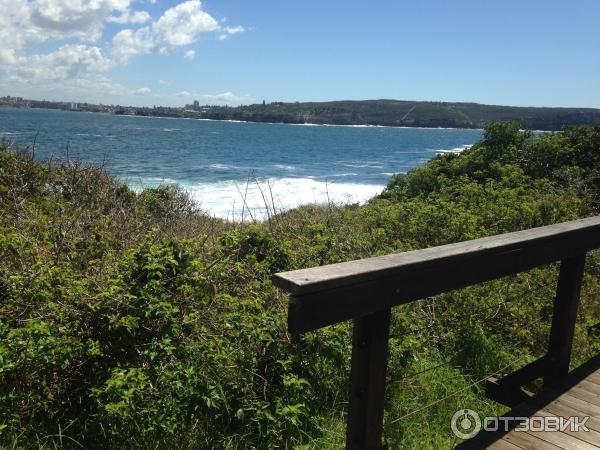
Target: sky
{"x":159,"y":52}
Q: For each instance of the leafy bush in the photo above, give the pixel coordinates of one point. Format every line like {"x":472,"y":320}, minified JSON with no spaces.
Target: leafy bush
{"x":133,"y":320}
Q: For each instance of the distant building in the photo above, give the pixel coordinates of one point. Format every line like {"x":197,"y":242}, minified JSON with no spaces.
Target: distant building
{"x":196,"y":104}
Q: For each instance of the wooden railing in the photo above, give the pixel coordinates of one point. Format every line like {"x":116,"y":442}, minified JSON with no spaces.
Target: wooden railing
{"x":365,"y":290}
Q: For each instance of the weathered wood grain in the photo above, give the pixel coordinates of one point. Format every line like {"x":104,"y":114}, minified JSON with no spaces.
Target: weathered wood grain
{"x":564,"y":315}
{"x":570,"y":396}
{"x":326,"y":295}
{"x":367,"y":381}
{"x":585,"y":231}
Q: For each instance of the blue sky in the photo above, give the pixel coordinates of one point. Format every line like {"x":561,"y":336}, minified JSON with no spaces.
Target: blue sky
{"x":542,"y":53}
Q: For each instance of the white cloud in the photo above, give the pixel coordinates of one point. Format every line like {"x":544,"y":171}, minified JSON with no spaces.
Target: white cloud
{"x":127,"y":43}
{"x":179,"y":26}
{"x":182,"y":24}
{"x":73,"y":71}
{"x":71,"y":62}
{"x":225,"y":98}
{"x":68,"y":62}
{"x":73,"y":18}
{"x":137,"y":17}
{"x":16,"y":32}
{"x":27,"y":23}
{"x":142,"y":91}
{"x":228,"y":31}
{"x":235,"y":30}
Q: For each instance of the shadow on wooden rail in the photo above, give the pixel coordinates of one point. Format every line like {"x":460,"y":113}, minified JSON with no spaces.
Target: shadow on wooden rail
{"x":366,"y":289}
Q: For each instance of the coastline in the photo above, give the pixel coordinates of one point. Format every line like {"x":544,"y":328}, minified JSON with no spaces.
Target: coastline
{"x":348,"y":176}
{"x":368,"y":113}
{"x":305,"y":124}
{"x":230,"y":200}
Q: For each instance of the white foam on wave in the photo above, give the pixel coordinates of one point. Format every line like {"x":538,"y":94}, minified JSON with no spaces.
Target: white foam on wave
{"x":354,"y":161}
{"x":373,"y":166}
{"x":345,"y":174}
{"x":356,"y":126}
{"x":249,"y":200}
{"x":307,"y":124}
{"x":284,"y":167}
{"x":220,"y":166}
{"x":140,"y":183}
{"x":455,"y":150}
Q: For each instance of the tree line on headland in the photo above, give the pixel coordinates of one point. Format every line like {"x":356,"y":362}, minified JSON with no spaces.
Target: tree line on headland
{"x":396,"y":113}
{"x":402,"y":114}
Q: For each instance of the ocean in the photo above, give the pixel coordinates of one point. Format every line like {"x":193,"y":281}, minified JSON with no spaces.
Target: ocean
{"x":229,"y":166}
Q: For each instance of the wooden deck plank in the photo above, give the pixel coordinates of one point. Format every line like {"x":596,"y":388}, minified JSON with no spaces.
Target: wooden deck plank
{"x":503,"y":444}
{"x":574,"y":396}
{"x":529,"y":442}
{"x":588,"y":386}
{"x":559,"y":409}
{"x":592,"y":388}
{"x":584,"y":395}
{"x":575,"y":403}
{"x":560,"y":439}
{"x":592,"y":436}
{"x":594,"y":378}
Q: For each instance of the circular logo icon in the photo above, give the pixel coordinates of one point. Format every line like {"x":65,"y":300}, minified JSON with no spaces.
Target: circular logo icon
{"x":465,"y":423}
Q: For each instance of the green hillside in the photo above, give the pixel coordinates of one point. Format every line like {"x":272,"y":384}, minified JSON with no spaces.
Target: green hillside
{"x":404,"y":113}
{"x":135,"y":321}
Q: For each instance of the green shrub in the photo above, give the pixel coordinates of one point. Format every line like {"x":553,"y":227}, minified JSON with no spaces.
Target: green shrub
{"x":133,"y":320}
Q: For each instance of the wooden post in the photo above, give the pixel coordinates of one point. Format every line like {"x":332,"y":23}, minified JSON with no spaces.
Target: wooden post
{"x":365,"y":290}
{"x":367,"y":381}
{"x":564,"y":316}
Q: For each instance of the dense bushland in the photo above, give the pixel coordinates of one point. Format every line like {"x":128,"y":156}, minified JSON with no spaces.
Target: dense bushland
{"x":392,"y":113}
{"x":136,"y":321}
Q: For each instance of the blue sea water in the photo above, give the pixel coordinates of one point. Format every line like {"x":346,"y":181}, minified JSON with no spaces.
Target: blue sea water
{"x":225,"y":165}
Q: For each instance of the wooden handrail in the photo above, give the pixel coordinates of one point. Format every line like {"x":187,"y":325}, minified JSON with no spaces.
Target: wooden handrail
{"x":337,"y":292}
{"x":365,"y":290}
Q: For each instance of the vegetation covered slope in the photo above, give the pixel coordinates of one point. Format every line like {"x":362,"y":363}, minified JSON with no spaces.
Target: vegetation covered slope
{"x":135,"y":321}
{"x":388,"y":113}
{"x":405,"y":113}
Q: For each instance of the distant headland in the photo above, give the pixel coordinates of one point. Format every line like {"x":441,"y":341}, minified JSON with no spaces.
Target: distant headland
{"x":394,"y":113}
